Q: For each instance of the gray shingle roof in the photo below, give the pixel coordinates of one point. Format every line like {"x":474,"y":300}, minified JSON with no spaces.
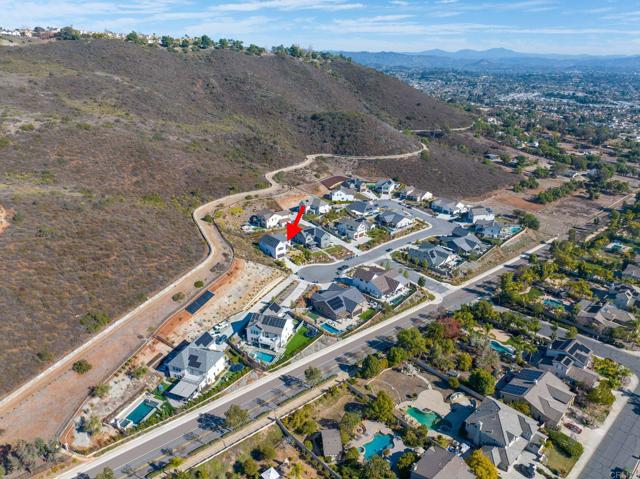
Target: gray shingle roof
{"x":268,"y":323}
{"x":438,"y":463}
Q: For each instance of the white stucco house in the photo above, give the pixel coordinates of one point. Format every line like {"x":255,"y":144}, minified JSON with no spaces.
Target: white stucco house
{"x":269,"y":331}
{"x":274,"y":245}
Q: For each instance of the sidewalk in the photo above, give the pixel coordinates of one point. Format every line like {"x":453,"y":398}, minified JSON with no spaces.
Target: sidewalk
{"x":221,"y":445}
{"x":597,"y":435}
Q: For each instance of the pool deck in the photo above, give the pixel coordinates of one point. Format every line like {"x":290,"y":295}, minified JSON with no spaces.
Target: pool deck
{"x":429,"y":399}
{"x":371,"y":429}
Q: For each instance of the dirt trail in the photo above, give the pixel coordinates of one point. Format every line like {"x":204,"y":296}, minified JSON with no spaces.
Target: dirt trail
{"x":4,"y":222}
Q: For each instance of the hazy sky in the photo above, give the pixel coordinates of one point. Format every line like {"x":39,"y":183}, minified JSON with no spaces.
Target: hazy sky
{"x":545,"y":26}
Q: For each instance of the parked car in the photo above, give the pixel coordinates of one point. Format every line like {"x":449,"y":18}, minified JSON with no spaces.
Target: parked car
{"x":573,"y":427}
{"x":527,"y":470}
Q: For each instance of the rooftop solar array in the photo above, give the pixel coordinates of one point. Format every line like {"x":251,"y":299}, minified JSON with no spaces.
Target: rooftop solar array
{"x":199,"y":302}
{"x":529,"y":374}
{"x":514,"y":389}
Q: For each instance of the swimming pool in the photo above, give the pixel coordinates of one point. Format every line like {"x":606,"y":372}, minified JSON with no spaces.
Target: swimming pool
{"x":553,"y":303}
{"x":264,"y":357}
{"x":141,"y":411}
{"x":379,"y":443}
{"x":501,"y":348}
{"x":330,"y":329}
{"x":428,"y":418}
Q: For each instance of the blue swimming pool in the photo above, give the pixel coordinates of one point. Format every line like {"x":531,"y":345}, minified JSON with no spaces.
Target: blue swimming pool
{"x":428,"y":418}
{"x":501,"y":348}
{"x":327,"y":327}
{"x":379,"y":443}
{"x":264,"y":357}
{"x":141,"y":411}
{"x":553,"y":303}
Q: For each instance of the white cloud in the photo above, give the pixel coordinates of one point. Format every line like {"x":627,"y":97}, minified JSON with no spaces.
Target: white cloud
{"x":254,"y":5}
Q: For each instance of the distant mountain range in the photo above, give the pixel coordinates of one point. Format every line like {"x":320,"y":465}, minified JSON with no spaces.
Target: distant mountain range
{"x":496,"y":59}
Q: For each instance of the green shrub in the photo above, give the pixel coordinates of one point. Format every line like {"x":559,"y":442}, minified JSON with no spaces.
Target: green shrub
{"x":81,"y":366}
{"x":564,"y":443}
{"x":179,"y":296}
{"x":199,"y":284}
{"x":94,"y":321}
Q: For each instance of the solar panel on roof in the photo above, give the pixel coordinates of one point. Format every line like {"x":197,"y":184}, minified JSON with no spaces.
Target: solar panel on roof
{"x":199,"y":302}
{"x":335,"y":303}
{"x":530,"y":374}
{"x":194,"y":361}
{"x":514,"y":389}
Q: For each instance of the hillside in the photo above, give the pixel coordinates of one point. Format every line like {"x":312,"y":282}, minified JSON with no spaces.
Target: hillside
{"x":107,"y":146}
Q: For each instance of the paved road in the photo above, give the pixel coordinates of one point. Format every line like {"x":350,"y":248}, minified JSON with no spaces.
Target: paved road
{"x":618,"y":449}
{"x":326,"y":273}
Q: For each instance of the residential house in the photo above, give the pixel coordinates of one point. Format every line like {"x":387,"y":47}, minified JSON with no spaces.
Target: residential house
{"x":269,"y":331}
{"x":414,"y":194}
{"x":480,"y":213}
{"x":384,"y":187}
{"x":503,"y":433}
{"x":448,"y":207}
{"x":464,"y":245}
{"x":439,"y":463}
{"x":602,"y":317}
{"x":317,"y":206}
{"x":492,"y":229}
{"x":492,"y":157}
{"x":355,"y":184}
{"x":436,"y":257}
{"x":338,"y":303}
{"x":342,"y":194}
{"x":632,"y":271}
{"x":569,"y":359}
{"x":625,"y":296}
{"x":331,"y":443}
{"x":362,"y":208}
{"x":548,"y":397}
{"x":269,"y":219}
{"x":197,"y":367}
{"x":275,"y":245}
{"x":270,"y":473}
{"x":353,"y":229}
{"x":393,"y":221}
{"x":382,"y":284}
{"x":313,"y":236}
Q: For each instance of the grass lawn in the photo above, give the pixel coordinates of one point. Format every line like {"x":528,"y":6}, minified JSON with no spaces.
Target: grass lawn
{"x":368,"y":314}
{"x":558,"y":461}
{"x":296,"y":344}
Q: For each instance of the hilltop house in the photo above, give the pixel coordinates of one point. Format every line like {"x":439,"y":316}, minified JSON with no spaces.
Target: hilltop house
{"x":197,"y":367}
{"x":393,"y":221}
{"x":382,"y":284}
{"x":448,"y":207}
{"x":602,"y":317}
{"x":338,"y":303}
{"x":269,"y":331}
{"x":313,"y":236}
{"x":548,"y":397}
{"x":503,"y":433}
{"x":625,"y":296}
{"x":436,"y":257}
{"x":269,"y":219}
{"x":439,"y":463}
{"x":480,"y":213}
{"x":362,"y":208}
{"x":275,"y":245}
{"x":353,"y":229}
{"x":342,"y":195}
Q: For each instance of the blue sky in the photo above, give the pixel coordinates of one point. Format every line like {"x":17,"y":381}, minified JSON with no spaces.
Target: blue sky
{"x":540,"y":26}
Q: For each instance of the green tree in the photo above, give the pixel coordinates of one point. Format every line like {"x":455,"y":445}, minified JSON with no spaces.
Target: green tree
{"x":381,"y":408}
{"x":68,"y":33}
{"x":416,"y":437}
{"x":348,"y":423}
{"x":297,"y":470}
{"x":482,"y":466}
{"x":482,"y":381}
{"x":235,"y":416}
{"x":267,"y":452}
{"x":396,"y":356}
{"x":81,"y":366}
{"x":250,"y":468}
{"x":422,"y":281}
{"x":205,"y":42}
{"x":91,"y":425}
{"x":522,"y":406}
{"x":166,"y":41}
{"x":405,"y":463}
{"x":372,"y":366}
{"x":601,"y":394}
{"x":411,"y":340}
{"x":378,"y":468}
{"x":313,"y":375}
{"x":571,"y":333}
{"x":199,"y":284}
{"x":464,"y":361}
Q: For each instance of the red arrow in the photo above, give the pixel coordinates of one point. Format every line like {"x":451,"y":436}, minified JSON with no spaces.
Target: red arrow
{"x":293,"y":228}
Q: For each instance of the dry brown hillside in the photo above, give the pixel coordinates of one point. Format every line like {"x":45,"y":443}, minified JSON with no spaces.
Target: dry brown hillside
{"x":105,"y":148}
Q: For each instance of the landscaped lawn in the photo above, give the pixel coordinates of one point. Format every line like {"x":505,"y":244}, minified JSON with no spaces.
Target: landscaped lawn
{"x":297,"y":343}
{"x":368,"y":314}
{"x":558,"y":461}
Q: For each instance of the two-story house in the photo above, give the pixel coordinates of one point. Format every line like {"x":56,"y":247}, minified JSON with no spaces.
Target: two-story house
{"x":274,"y":245}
